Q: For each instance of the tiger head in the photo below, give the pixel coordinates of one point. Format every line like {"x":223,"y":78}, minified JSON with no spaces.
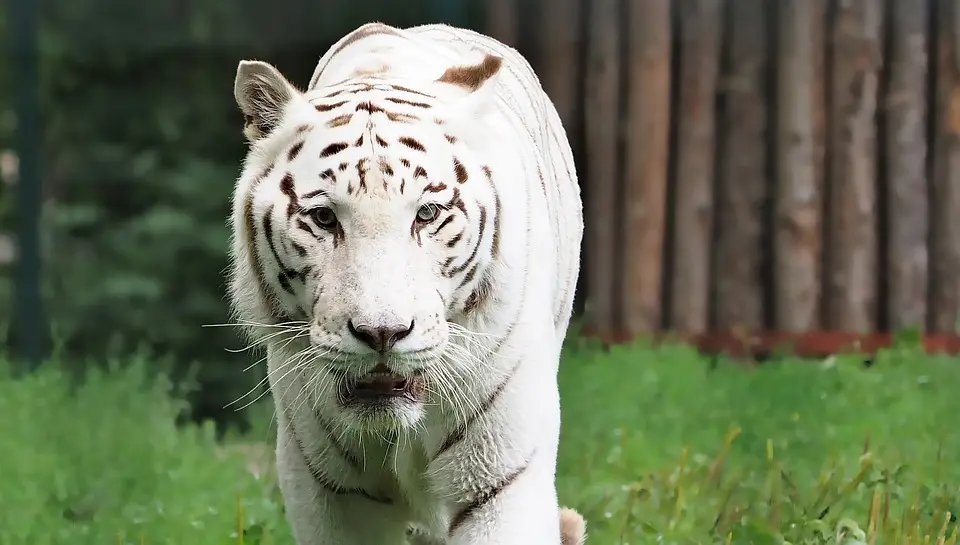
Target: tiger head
{"x":365,"y":220}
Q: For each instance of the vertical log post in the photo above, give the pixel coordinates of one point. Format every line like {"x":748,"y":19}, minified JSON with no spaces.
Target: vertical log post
{"x":945,"y":282}
{"x":503,"y":21}
{"x":560,"y":58}
{"x":742,"y":184}
{"x":647,"y":149}
{"x":602,"y":221}
{"x":850,"y":278}
{"x":700,"y":39}
{"x":906,"y":156}
{"x":797,"y":254}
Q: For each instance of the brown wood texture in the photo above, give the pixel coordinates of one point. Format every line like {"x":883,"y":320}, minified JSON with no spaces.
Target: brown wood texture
{"x":503,"y":21}
{"x":742,"y":178}
{"x":560,"y":44}
{"x":647,"y":150}
{"x":601,"y":127}
{"x":809,"y":344}
{"x":799,"y":158}
{"x":850,"y":275}
{"x":905,"y":153}
{"x":945,"y":205}
{"x":700,"y":40}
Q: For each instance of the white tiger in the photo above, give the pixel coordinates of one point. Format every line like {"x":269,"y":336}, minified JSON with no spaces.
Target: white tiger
{"x":406,"y":239}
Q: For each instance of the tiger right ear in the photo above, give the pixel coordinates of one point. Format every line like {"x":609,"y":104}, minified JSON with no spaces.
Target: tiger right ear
{"x":476,"y":82}
{"x":262,"y":93}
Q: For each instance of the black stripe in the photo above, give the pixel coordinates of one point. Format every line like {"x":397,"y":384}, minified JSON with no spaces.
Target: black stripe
{"x":495,"y":245}
{"x":479,"y":295}
{"x":342,"y":451}
{"x":469,"y":276}
{"x":319,"y":476}
{"x":460,"y":171}
{"x":294,"y":151}
{"x":328,"y":107}
{"x":369,"y":107}
{"x":476,"y":248}
{"x":408,"y":102}
{"x":254,"y":250}
{"x":408,"y":90}
{"x":453,"y":241}
{"x":457,"y":435}
{"x":443,"y":224}
{"x":268,"y":234}
{"x":334,"y":149}
{"x":412,"y":143}
{"x":286,"y":187}
{"x":306,"y":227}
{"x":284,"y":282}
{"x":311,"y":194}
{"x":484,"y":498}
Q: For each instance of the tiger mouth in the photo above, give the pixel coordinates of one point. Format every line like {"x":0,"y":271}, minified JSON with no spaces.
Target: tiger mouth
{"x":382,"y":384}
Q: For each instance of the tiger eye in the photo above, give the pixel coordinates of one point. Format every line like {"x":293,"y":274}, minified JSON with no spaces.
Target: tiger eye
{"x":428,"y":213}
{"x":324,"y":216}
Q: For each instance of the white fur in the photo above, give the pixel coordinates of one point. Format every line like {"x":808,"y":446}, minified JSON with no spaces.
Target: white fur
{"x":379,"y":275}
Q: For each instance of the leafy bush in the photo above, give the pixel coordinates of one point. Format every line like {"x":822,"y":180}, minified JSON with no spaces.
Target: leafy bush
{"x":657,"y":446}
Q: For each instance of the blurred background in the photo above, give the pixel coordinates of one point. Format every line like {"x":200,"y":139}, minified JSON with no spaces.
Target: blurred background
{"x":747,"y":165}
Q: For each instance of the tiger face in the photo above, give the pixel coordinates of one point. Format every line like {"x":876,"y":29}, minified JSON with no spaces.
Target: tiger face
{"x":367,"y":215}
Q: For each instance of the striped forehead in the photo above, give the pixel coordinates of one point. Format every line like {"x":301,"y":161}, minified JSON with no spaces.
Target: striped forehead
{"x":397,"y":103}
{"x":362,"y":159}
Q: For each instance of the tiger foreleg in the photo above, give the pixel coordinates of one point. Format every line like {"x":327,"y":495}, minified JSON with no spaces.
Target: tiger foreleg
{"x":524,"y":511}
{"x":320,"y":516}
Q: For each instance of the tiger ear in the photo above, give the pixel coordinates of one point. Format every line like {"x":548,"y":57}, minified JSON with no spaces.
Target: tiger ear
{"x":478,"y":83}
{"x":262,"y":93}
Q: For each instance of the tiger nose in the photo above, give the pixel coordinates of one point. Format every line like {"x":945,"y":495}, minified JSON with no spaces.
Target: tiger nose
{"x":380,"y":339}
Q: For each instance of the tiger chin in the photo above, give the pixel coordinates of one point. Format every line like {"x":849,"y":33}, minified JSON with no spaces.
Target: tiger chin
{"x":406,"y":235}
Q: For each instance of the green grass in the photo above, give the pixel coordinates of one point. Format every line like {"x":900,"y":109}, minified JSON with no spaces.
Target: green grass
{"x":658,"y":446}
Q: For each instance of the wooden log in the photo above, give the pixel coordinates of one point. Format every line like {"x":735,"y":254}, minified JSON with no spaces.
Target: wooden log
{"x":945,"y":238}
{"x":700,"y":39}
{"x":647,"y":145}
{"x":503,"y":21}
{"x":742,"y":178}
{"x":906,"y":157}
{"x":560,"y":59}
{"x":799,"y":157}
{"x":850,"y":276}
{"x":603,"y":204}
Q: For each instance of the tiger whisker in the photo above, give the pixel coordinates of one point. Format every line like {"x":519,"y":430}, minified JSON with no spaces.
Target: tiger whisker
{"x":259,"y":384}
{"x":267,"y":377}
{"x":299,"y":332}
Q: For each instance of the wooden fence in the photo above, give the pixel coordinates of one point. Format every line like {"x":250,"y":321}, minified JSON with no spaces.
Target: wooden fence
{"x":789,"y":165}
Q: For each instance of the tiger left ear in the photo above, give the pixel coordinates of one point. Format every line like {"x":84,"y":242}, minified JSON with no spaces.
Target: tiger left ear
{"x":262,"y":93}
{"x":477,"y":81}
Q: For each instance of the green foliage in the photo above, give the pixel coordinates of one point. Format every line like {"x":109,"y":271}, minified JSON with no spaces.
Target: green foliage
{"x":657,"y":446}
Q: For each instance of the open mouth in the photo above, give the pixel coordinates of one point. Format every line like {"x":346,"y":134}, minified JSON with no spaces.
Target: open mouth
{"x":382,"y":383}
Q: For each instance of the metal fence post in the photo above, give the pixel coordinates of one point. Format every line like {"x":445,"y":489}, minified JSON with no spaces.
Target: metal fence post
{"x":28,"y":316}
